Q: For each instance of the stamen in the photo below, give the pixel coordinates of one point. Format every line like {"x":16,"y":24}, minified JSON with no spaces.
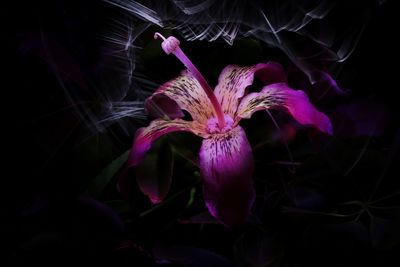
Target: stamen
{"x":171,"y":45}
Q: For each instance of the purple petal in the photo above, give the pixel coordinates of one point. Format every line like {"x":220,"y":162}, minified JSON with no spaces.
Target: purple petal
{"x":278,"y":96}
{"x":184,"y":92}
{"x":361,"y":118}
{"x":226,"y":165}
{"x":271,"y":72}
{"x":326,"y":82}
{"x":234,"y":80}
{"x":320,"y":82}
{"x":144,"y":138}
{"x":147,"y":135}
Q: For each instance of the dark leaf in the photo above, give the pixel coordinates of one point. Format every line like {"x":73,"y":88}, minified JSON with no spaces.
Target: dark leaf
{"x":305,"y":197}
{"x":190,"y":256}
{"x":385,"y":233}
{"x":259,"y":249}
{"x":98,"y":184}
{"x":154,"y":175}
{"x":389,"y":212}
{"x":317,"y":216}
{"x":356,"y":230}
{"x":120,"y":206}
{"x":201,"y":218}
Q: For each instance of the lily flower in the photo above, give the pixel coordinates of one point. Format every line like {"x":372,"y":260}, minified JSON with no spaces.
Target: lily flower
{"x":225,"y":158}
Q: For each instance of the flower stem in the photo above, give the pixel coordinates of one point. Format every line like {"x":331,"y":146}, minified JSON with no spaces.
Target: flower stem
{"x":171,"y":45}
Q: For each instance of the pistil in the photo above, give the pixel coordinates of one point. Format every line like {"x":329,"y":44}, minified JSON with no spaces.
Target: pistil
{"x":171,"y":45}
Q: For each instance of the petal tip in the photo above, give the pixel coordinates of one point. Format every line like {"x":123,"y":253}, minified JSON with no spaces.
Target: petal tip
{"x":329,"y":129}
{"x":325,"y":126}
{"x":155,"y":199}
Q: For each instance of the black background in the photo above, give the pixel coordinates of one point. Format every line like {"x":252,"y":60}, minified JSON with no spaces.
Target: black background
{"x":48,"y":220}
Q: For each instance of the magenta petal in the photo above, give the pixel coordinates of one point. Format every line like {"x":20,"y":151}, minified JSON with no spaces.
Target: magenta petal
{"x":147,"y":135}
{"x":144,"y":138}
{"x":299,"y":106}
{"x":226,"y":165}
{"x":281,"y":96}
{"x":234,"y":80}
{"x":271,"y":72}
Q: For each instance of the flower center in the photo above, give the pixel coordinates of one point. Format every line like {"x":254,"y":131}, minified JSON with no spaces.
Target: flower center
{"x":213,"y":126}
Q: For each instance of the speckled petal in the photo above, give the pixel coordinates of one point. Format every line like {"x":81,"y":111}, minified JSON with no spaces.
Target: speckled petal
{"x":234,"y":80}
{"x":142,"y":143}
{"x":281,"y":96}
{"x":147,"y":135}
{"x":226,"y":165}
{"x":187,"y":93}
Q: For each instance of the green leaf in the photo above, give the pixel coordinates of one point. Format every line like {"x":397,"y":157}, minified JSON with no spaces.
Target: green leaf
{"x":179,"y":143}
{"x":191,"y":198}
{"x":100,"y":182}
{"x":317,"y":216}
{"x":119,"y":205}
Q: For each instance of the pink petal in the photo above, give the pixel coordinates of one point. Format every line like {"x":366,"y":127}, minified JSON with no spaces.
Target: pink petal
{"x":234,"y":80}
{"x":226,"y":165}
{"x":271,"y":72}
{"x":281,"y":96}
{"x":187,"y":94}
{"x":147,"y":135}
{"x":144,"y":138}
